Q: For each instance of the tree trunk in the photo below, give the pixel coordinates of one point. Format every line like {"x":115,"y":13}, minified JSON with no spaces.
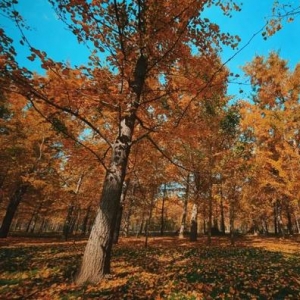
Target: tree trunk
{"x":11,"y":209}
{"x":86,"y":220}
{"x":33,"y":219}
{"x":231,"y":221}
{"x":276,"y":212}
{"x":297,"y":222}
{"x":184,"y":212}
{"x":120,"y":212}
{"x":129,"y":210}
{"x":118,"y":225}
{"x":68,"y":221}
{"x":150,"y":217}
{"x":96,"y":258}
{"x":162,"y":217}
{"x":289,"y":219}
{"x":210,"y":211}
{"x":222,"y":227}
{"x":194,"y":215}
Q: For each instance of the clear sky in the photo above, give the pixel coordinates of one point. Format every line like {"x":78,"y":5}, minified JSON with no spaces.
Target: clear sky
{"x":50,"y":35}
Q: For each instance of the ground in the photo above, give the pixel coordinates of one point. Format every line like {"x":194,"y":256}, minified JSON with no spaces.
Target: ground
{"x":169,"y":268}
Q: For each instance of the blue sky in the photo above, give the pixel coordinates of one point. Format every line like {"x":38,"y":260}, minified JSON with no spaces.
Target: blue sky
{"x":50,"y":35}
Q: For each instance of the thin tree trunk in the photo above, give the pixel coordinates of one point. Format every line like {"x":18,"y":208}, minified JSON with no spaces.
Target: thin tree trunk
{"x":129,"y":210}
{"x":279,"y":221}
{"x":162,"y":217}
{"x":30,"y":221}
{"x":68,"y":221}
{"x":275,"y":218}
{"x":86,"y":220}
{"x":231,"y":222}
{"x":185,"y":206}
{"x":222,"y":227}
{"x":150,"y":217}
{"x":194,"y":217}
{"x":11,"y":209}
{"x":118,"y":225}
{"x":289,"y":218}
{"x":210,"y":211}
{"x":33,"y":219}
{"x":297,"y":222}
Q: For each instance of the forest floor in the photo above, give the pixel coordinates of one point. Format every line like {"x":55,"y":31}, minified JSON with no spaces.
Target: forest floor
{"x":169,"y":268}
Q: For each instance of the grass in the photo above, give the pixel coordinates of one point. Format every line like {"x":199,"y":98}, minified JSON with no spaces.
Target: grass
{"x":169,"y":268}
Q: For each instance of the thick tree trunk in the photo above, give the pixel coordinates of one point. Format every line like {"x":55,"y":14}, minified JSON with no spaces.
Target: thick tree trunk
{"x":96,"y":258}
{"x":182,"y":228}
{"x":97,"y":254}
{"x":194,"y":223}
{"x":11,"y":209}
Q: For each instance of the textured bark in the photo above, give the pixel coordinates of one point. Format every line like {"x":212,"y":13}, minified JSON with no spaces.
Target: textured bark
{"x":11,"y":209}
{"x":96,"y":259}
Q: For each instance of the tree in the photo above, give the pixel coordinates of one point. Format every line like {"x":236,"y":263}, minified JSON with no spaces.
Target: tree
{"x":143,"y":41}
{"x":274,"y":138}
{"x":28,"y":155}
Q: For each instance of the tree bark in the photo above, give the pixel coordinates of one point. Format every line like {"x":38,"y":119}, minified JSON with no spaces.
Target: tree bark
{"x":11,"y":209}
{"x":185,"y":206}
{"x":96,"y":258}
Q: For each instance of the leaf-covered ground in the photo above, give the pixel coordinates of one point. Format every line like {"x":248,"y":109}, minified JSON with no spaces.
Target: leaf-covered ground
{"x":168,"y":269}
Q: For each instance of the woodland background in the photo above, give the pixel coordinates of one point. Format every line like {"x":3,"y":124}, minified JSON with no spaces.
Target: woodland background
{"x":153,"y":133}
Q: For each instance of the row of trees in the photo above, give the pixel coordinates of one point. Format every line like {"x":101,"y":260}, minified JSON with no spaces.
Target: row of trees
{"x":158,"y":113}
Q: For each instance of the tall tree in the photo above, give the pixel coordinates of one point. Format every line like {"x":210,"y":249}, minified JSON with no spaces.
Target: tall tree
{"x":143,"y":42}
